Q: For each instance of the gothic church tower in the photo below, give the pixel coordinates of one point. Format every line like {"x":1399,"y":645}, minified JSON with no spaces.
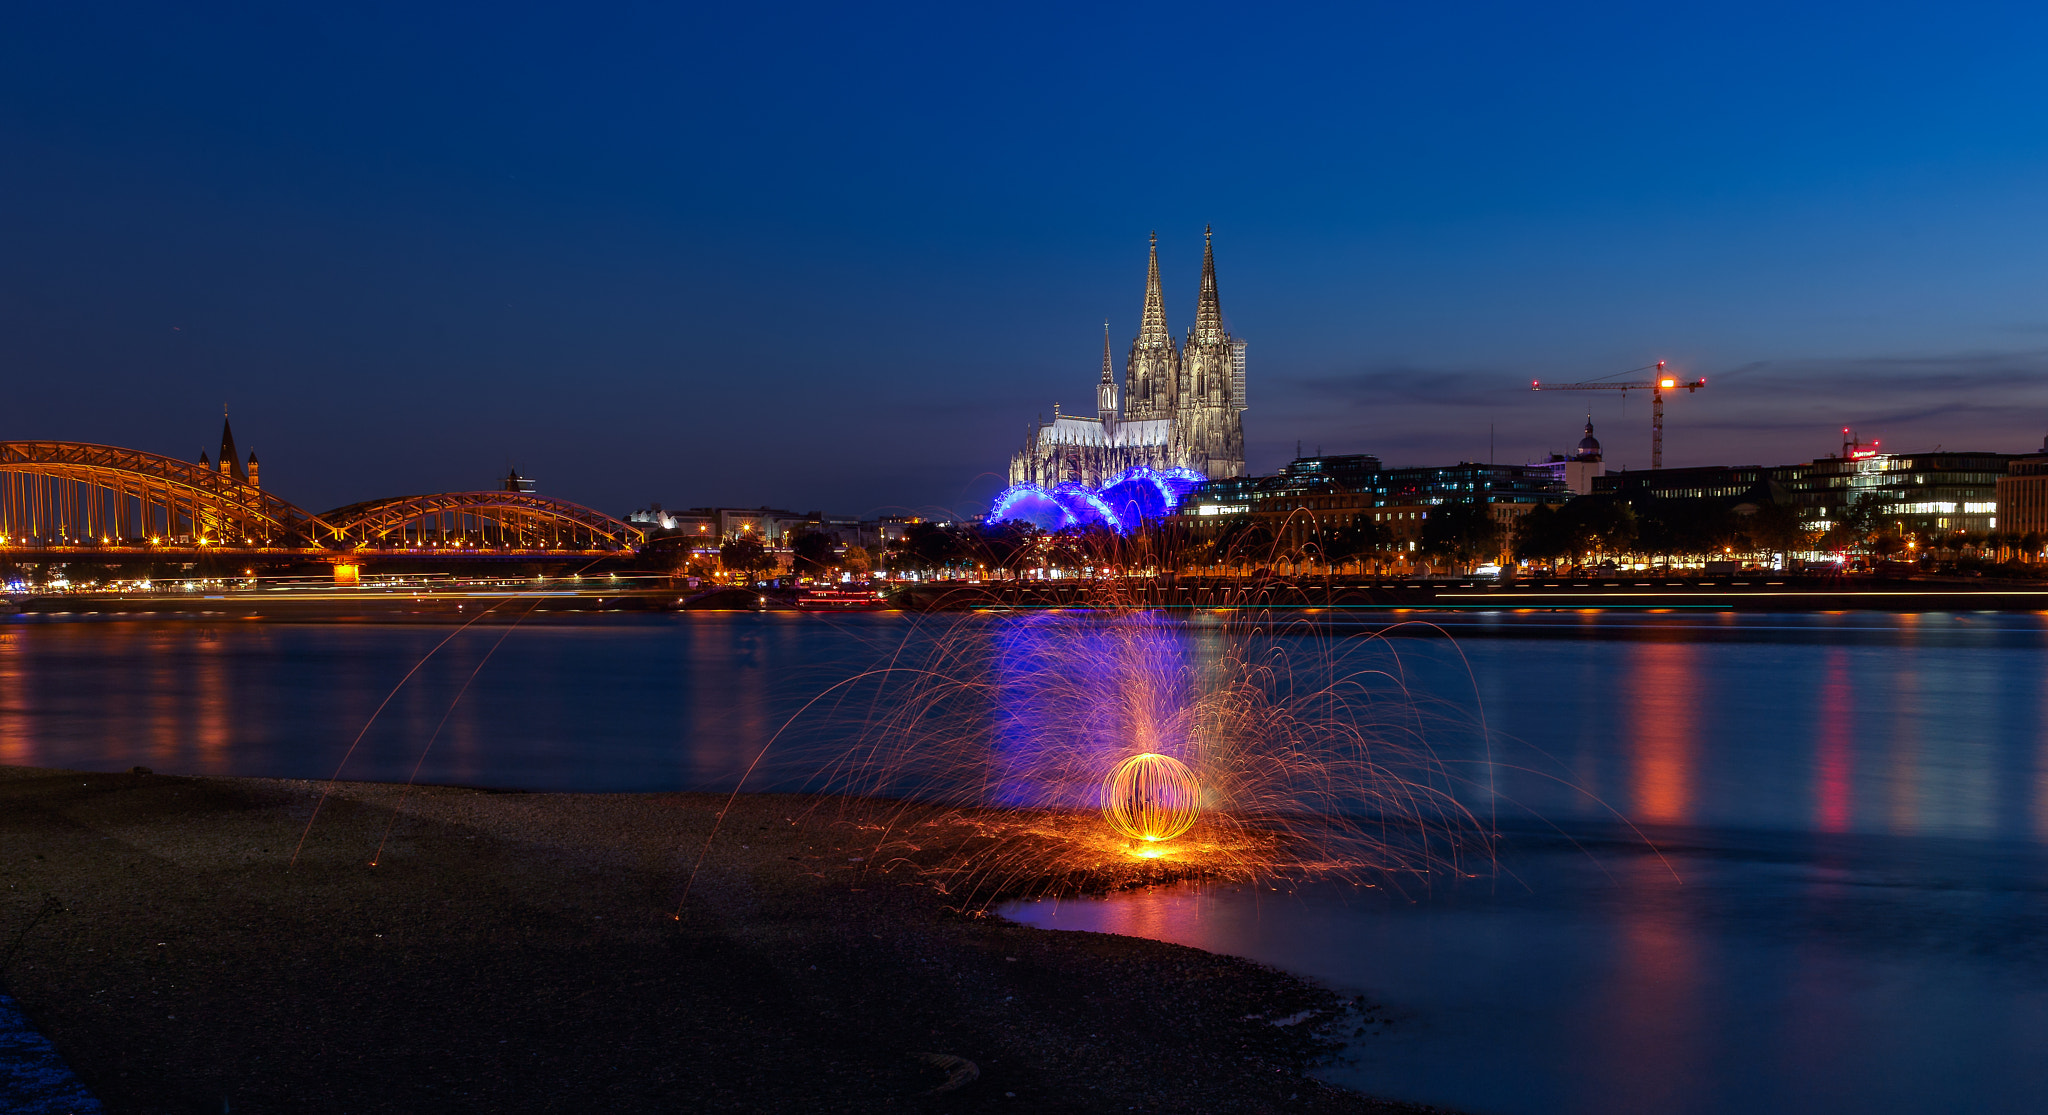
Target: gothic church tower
{"x":1105,"y":391}
{"x":1152,"y":372}
{"x":1208,"y":420}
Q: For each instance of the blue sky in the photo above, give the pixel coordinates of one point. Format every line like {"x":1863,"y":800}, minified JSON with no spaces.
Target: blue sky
{"x":836,"y":257}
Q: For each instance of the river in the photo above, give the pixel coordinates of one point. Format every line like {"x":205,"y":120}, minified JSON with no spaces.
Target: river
{"x":1746,"y":862}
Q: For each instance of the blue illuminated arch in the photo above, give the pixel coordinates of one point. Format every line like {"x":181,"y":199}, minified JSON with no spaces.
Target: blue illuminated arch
{"x":1032,"y":504}
{"x":1085,"y":506}
{"x":1123,"y":503}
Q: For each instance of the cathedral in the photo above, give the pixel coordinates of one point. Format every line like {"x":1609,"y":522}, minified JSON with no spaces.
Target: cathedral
{"x":1182,"y":404}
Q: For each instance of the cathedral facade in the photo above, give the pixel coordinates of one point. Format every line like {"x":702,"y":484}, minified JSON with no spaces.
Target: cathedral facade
{"x":1181,"y":405}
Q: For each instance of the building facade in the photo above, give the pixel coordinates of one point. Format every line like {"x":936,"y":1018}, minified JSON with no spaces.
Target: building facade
{"x":1924,"y":491}
{"x":2023,"y":495}
{"x":1312,"y":496}
{"x":1181,"y":405}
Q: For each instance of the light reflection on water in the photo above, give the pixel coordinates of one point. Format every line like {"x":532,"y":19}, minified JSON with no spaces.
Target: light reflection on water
{"x":1781,"y":974}
{"x":626,"y":704}
{"x":1844,"y":910}
{"x":1830,"y":892}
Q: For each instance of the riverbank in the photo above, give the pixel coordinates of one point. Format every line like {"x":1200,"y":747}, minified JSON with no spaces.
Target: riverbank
{"x":1750,"y":592}
{"x":1753,"y":592}
{"x":534,"y":952}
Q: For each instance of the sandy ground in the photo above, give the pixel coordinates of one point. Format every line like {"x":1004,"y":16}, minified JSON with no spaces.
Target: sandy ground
{"x":532,"y":952}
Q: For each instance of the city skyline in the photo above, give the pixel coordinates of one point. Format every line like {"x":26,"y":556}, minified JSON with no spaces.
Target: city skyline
{"x":409,"y":250}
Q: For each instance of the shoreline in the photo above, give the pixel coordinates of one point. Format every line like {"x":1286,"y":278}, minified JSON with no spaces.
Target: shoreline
{"x":1355,"y":596}
{"x":531,"y":951}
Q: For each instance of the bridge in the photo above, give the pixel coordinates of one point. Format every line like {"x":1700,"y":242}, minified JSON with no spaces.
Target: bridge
{"x":75,"y":500}
{"x":499,"y":520}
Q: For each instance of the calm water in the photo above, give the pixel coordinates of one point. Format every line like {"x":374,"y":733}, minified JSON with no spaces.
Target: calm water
{"x":1749,"y":863}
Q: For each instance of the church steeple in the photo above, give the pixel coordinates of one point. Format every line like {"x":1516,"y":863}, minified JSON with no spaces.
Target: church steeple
{"x":1152,"y":327}
{"x":1105,"y":390}
{"x":1153,"y":369}
{"x":230,"y":463}
{"x":1208,"y":312}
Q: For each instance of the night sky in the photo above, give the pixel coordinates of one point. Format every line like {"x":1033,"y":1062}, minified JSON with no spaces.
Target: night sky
{"x":836,"y":258}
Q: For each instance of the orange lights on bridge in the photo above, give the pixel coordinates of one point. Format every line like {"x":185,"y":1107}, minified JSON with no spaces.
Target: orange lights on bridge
{"x":61,"y":494}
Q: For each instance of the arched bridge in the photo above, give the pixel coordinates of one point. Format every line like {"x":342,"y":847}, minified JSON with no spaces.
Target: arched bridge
{"x":482,"y":520}
{"x":65,"y":497}
{"x":70,"y":493}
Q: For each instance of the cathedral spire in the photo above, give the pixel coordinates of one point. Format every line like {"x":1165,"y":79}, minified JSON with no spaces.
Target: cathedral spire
{"x":1105,"y":391}
{"x":1152,"y":329}
{"x":1152,"y":373}
{"x":1209,"y":312}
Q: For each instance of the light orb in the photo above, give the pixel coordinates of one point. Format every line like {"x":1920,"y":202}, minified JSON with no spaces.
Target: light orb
{"x":1151,"y":797}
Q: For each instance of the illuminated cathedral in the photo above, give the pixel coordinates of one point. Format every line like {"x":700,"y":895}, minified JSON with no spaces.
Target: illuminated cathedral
{"x":1182,"y":405}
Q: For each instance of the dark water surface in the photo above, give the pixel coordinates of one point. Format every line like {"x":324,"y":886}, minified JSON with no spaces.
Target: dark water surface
{"x":1756,"y":863}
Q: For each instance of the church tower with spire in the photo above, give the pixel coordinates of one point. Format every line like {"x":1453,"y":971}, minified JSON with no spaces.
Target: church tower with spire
{"x":1208,"y":422}
{"x":1152,"y":371}
{"x":230,"y":463}
{"x":1105,"y":391}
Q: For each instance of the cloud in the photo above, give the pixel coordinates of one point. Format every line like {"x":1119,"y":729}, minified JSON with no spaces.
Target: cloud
{"x":1964,"y":393}
{"x":1376,"y":387}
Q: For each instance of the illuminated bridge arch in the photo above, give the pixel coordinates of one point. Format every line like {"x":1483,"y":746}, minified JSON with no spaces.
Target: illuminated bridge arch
{"x":497,"y":520}
{"x":72,"y":493}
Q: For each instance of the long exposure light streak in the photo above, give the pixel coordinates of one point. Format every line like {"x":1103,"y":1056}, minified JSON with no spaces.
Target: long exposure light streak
{"x":327,"y":790}
{"x":1269,"y":746}
{"x":1151,"y":797}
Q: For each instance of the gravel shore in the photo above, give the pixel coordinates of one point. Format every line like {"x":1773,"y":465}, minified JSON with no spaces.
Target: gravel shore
{"x":533,"y":952}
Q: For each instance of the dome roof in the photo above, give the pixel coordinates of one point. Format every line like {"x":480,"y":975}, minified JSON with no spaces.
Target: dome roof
{"x":1589,"y":446}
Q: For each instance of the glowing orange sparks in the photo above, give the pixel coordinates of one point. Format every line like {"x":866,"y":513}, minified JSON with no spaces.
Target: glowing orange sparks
{"x":1151,"y":797}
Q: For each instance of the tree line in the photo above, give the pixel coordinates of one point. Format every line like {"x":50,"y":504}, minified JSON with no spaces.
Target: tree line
{"x":1633,"y":526}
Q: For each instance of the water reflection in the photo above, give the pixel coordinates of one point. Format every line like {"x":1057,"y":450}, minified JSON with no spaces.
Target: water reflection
{"x":1828,"y":892}
{"x":17,"y":745}
{"x":1654,"y":991}
{"x":1868,"y":977}
{"x":1903,"y":762}
{"x":211,"y":725}
{"x":619,"y":706}
{"x":1837,"y":728}
{"x":1660,"y":694}
{"x":1834,"y":902}
{"x":1922,"y":737}
{"x":2040,"y":753}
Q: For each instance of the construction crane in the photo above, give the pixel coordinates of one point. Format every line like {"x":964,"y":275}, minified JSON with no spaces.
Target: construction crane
{"x":1656,"y":386}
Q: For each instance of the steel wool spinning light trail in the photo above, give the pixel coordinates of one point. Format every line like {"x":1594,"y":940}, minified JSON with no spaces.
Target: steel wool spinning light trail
{"x":999,"y":748}
{"x":1151,"y":797}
